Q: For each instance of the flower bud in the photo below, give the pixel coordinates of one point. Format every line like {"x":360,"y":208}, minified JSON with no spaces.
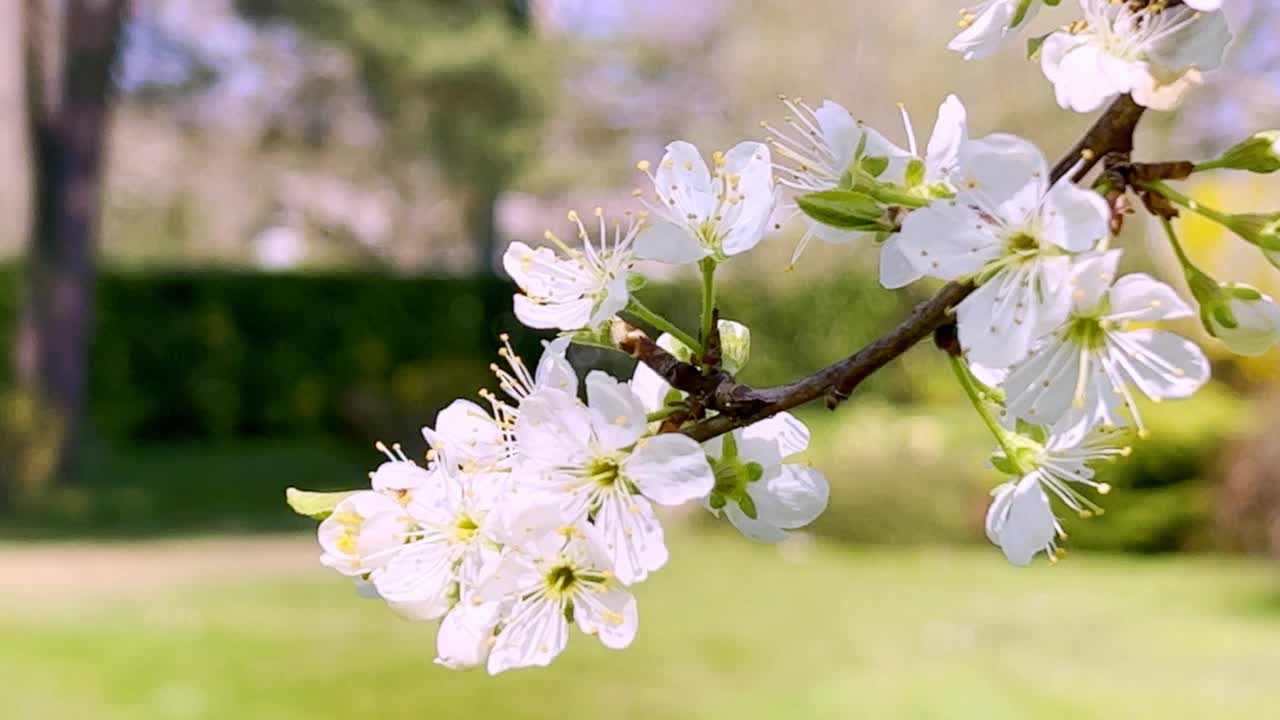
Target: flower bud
{"x":735,"y":345}
{"x":1261,"y":229}
{"x":1260,"y":153}
{"x":1247,"y":321}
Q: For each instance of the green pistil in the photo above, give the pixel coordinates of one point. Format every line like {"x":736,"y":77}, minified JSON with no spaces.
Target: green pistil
{"x":604,"y":472}
{"x":1023,"y":242}
{"x":561,"y":578}
{"x":1087,"y":332}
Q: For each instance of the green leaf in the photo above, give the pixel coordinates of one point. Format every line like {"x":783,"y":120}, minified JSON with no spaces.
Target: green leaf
{"x":874,"y":165}
{"x":844,"y":209}
{"x":1035,"y":45}
{"x":315,"y":505}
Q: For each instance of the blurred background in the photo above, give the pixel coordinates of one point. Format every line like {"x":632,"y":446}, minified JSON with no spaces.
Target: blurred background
{"x":246,"y":238}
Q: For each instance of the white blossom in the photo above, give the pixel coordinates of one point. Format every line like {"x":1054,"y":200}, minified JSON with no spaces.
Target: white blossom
{"x":561,"y":577}
{"x":700,"y":212}
{"x":1249,"y":322}
{"x":1009,"y":231}
{"x":596,"y":459}
{"x":987,"y":25}
{"x":824,"y":149}
{"x":1020,"y":519}
{"x":1154,"y":52}
{"x":761,"y":493}
{"x":447,"y":544}
{"x":1080,"y":375}
{"x":581,"y":289}
{"x":357,"y":536}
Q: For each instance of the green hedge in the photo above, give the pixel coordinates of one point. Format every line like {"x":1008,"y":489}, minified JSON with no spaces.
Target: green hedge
{"x":217,"y":354}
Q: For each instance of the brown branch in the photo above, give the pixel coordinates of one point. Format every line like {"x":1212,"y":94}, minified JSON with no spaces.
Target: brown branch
{"x":738,"y":405}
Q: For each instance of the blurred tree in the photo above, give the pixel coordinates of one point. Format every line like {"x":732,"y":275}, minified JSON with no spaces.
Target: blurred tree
{"x":70,"y":48}
{"x":461,"y":82}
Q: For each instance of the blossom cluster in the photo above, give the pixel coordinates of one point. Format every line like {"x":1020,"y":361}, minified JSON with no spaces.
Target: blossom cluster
{"x":538,"y":510}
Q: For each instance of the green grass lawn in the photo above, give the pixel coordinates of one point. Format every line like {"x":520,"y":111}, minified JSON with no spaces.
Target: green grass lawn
{"x":729,"y":630}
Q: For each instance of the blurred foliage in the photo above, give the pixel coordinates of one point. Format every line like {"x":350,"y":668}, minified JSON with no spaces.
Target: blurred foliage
{"x":30,"y":431}
{"x":459,"y":81}
{"x":1161,"y":494}
{"x":217,"y":355}
{"x":1246,"y":504}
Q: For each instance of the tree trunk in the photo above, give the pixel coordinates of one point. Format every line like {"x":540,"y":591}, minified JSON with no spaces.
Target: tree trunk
{"x":481,"y":223}
{"x":68,"y":96}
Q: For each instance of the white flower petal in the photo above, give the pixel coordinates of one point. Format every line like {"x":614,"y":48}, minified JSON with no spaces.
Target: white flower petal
{"x":946,"y":240}
{"x":670,"y":469}
{"x":553,"y":428}
{"x":536,"y":632}
{"x":786,"y":430}
{"x":632,"y":537}
{"x":895,"y":269}
{"x":1074,"y":218}
{"x":420,"y":577}
{"x":669,"y":243}
{"x":617,"y":415}
{"x":950,"y":132}
{"x":1008,"y":173}
{"x":611,"y":615}
{"x":753,"y":529}
{"x":1091,"y":278}
{"x":463,"y":639}
{"x":1028,"y":525}
{"x":1163,"y":365}
{"x":571,"y":315}
{"x":554,"y":370}
{"x":1142,"y":298}
{"x":792,"y":497}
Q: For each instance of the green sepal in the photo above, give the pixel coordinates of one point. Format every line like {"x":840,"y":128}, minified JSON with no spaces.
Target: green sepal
{"x":1246,"y":293}
{"x":1039,"y":433}
{"x":915,"y":172}
{"x":636,"y":281}
{"x":755,"y":471}
{"x":874,"y":165}
{"x":1223,"y":316}
{"x":843,"y":209}
{"x":717,"y":501}
{"x":1002,"y":463}
{"x":748,"y":506}
{"x":1035,"y":45}
{"x":1021,"y":13}
{"x":315,"y":505}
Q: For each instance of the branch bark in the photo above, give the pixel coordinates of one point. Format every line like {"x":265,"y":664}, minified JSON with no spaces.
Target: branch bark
{"x":738,"y":405}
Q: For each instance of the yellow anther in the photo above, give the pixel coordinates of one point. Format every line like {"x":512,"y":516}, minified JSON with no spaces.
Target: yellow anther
{"x":643,"y":166}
